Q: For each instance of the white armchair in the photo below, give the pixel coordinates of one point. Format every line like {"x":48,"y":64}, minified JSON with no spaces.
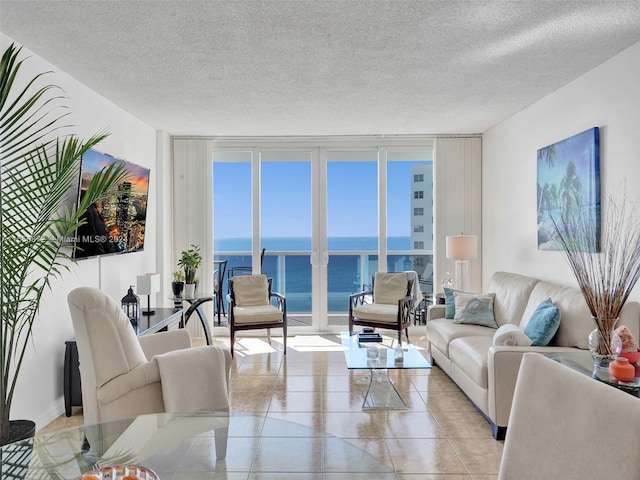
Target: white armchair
{"x":124,"y":375}
{"x":565,"y":424}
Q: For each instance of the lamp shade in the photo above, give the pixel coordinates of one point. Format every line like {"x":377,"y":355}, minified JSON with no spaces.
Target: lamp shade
{"x":148,"y":284}
{"x":462,"y":247}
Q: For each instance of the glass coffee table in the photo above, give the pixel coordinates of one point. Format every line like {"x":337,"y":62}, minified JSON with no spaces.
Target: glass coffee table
{"x":192,"y":446}
{"x":379,"y":358}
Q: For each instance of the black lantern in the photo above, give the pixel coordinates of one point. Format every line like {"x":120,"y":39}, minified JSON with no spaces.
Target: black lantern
{"x":131,"y":307}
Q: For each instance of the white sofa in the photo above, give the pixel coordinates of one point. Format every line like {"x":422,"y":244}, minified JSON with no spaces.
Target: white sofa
{"x":486,"y":373}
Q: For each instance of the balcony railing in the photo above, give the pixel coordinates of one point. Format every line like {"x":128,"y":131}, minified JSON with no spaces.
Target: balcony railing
{"x":347,"y":273}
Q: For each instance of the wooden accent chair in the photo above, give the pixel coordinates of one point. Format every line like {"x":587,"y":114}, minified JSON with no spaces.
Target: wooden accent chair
{"x":388,"y":305}
{"x":251,"y":306}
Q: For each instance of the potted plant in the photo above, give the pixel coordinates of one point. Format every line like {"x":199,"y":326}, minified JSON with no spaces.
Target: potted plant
{"x":39,"y":167}
{"x":190,"y":260}
{"x":177,"y":285}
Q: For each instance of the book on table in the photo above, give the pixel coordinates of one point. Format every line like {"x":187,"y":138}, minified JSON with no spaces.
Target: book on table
{"x":369,"y":338}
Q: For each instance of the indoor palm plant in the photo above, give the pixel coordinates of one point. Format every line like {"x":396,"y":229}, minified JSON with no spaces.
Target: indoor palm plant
{"x":606,"y":264}
{"x":39,"y":174}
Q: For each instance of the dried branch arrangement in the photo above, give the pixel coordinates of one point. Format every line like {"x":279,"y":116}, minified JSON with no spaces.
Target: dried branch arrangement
{"x":607,"y":269}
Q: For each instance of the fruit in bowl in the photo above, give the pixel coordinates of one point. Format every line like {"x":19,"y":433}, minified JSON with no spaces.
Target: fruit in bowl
{"x":120,"y":472}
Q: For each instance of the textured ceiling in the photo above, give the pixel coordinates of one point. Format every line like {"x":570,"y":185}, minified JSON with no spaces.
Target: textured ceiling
{"x":345,"y":67}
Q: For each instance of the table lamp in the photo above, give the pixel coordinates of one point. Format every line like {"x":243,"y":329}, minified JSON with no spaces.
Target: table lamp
{"x":462,"y":248}
{"x":148,"y":284}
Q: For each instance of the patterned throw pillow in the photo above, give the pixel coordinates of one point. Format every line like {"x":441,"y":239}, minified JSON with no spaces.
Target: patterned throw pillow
{"x":474,"y":309}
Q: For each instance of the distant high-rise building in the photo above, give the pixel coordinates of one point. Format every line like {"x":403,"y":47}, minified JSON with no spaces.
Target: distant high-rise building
{"x":422,"y":207}
{"x":422,"y":223}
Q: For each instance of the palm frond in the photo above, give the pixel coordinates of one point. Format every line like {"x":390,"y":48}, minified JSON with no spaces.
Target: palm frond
{"x":37,"y":173}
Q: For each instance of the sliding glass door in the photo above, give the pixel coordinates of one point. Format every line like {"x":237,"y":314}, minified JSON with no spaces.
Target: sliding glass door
{"x":351,"y":243}
{"x":321,"y":220}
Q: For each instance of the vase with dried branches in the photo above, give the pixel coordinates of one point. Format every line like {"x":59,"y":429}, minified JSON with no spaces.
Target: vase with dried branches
{"x":606,"y":263}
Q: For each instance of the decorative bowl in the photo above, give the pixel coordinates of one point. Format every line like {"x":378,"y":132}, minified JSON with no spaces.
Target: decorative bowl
{"x":120,"y":472}
{"x":634,"y":357}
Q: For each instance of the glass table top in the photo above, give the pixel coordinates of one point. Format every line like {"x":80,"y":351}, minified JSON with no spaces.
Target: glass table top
{"x":582,"y":362}
{"x":194,"y":446}
{"x":371,"y":355}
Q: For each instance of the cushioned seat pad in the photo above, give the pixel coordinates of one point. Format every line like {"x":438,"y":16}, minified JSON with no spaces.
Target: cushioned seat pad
{"x":469,"y":354}
{"x":377,"y":312}
{"x":442,"y":331}
{"x":257,"y":314}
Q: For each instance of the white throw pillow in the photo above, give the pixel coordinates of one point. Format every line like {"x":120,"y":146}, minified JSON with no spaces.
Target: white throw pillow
{"x":510,"y":335}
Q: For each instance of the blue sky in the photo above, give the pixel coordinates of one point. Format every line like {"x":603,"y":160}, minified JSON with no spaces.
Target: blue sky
{"x":286,"y":199}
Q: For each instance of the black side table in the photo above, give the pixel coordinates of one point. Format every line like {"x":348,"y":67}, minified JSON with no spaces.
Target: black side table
{"x":195,"y":306}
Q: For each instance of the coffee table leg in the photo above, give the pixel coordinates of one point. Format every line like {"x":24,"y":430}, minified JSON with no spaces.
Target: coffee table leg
{"x":381,"y":394}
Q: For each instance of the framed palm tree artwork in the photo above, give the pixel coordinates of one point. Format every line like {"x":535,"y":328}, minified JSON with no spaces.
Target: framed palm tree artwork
{"x":569,"y":188}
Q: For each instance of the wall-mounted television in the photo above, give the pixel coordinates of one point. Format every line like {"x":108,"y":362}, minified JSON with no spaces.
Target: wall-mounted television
{"x":117,"y":223}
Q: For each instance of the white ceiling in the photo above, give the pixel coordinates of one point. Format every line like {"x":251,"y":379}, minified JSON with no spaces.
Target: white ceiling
{"x":344,"y":67}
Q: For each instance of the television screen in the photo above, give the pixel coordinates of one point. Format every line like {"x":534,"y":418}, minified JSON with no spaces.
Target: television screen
{"x":115,"y":224}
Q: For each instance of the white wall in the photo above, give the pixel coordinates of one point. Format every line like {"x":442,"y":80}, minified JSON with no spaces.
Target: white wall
{"x":607,"y":97}
{"x":39,"y":395}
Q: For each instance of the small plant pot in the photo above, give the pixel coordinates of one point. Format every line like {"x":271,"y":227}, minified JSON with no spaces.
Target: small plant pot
{"x":190,"y":290}
{"x":177,"y":288}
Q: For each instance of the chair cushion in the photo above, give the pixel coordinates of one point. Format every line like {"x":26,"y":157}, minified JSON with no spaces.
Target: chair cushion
{"x":256,"y":314}
{"x":377,"y":312}
{"x":106,"y":342}
{"x":388,"y":288}
{"x":250,"y":290}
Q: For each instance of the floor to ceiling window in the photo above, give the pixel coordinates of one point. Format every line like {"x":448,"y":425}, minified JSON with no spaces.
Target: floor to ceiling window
{"x":326,"y":218}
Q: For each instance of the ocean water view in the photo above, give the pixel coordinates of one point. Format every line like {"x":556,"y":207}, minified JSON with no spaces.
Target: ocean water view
{"x":303,"y":244}
{"x":352,"y":262}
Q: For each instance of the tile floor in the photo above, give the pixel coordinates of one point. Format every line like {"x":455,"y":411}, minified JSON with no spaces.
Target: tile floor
{"x":441,"y":436}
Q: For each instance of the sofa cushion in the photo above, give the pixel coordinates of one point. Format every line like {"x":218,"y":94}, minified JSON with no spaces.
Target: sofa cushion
{"x":442,"y":331}
{"x":470,"y":355}
{"x":543,"y":324}
{"x":474,"y":309}
{"x":512,"y":293}
{"x":575,"y":317}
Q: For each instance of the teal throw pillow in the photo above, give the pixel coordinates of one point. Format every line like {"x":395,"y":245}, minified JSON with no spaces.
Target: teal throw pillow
{"x":543,"y":324}
{"x":449,"y":303}
{"x":474,"y":309}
